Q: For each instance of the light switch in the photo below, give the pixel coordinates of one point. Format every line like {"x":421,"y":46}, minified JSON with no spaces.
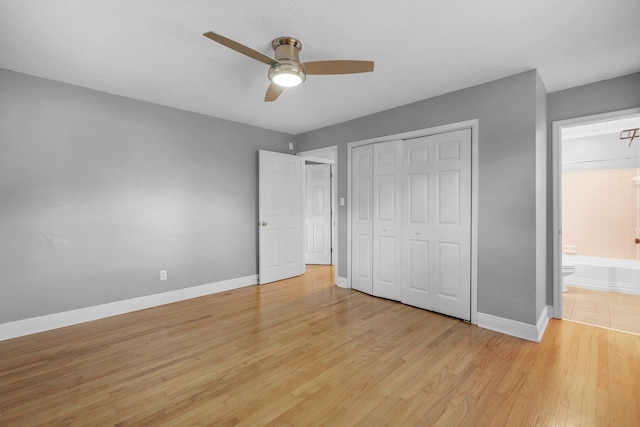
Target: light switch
{"x":341,"y":201}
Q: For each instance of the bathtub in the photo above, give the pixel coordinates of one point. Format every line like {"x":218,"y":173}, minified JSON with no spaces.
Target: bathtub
{"x":604,"y":274}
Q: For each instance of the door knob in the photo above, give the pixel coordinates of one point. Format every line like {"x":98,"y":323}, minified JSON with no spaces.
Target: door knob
{"x":637,"y":241}
{"x":264,"y":224}
{"x":385,"y":229}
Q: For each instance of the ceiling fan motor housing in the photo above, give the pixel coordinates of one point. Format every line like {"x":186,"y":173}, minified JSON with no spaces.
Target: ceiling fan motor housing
{"x":287,"y":50}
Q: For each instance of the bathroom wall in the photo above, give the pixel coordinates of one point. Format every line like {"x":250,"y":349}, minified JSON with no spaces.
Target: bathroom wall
{"x":600,"y":213}
{"x":599,"y":198}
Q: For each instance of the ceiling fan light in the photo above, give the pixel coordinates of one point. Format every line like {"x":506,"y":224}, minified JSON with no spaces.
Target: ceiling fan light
{"x":287,"y":79}
{"x":286,"y":75}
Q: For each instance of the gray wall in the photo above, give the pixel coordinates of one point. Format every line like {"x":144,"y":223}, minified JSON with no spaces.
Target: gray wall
{"x":506,"y":110}
{"x":608,"y":95}
{"x":98,"y":193}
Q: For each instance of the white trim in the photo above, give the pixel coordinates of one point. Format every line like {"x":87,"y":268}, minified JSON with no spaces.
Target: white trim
{"x":474,"y":221}
{"x":514,"y":328}
{"x":349,"y":214}
{"x":543,"y":321}
{"x":326,"y":153}
{"x":34,"y":325}
{"x":557,"y":127}
{"x":556,"y":201}
{"x":341,"y":282}
{"x":316,"y":159}
{"x":467,"y":124}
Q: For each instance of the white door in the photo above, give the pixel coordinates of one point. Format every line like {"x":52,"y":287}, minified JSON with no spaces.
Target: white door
{"x":280,"y":216}
{"x":318,"y":214}
{"x":362,"y":218}
{"x":387,"y":220}
{"x":436,"y":226}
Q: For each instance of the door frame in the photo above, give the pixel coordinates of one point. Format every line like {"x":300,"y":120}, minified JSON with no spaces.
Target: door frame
{"x":328,"y":155}
{"x":556,"y":161}
{"x":467,"y":124}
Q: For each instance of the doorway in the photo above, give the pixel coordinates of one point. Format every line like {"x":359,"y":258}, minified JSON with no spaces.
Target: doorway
{"x":318,"y":213}
{"x":325,"y":156}
{"x":596,"y":213}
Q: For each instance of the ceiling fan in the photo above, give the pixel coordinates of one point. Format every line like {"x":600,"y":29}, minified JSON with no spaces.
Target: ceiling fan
{"x":285,"y":69}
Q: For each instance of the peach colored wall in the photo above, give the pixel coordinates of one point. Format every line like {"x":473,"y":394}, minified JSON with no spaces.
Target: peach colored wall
{"x":600,"y":213}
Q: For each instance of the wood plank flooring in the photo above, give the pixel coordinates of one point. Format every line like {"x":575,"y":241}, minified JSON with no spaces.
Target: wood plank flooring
{"x":303,"y":352}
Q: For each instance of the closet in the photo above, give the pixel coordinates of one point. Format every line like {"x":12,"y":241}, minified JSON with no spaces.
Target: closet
{"x":411,"y":221}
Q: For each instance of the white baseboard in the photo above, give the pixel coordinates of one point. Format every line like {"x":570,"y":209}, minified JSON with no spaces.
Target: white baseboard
{"x":543,"y":321}
{"x":341,"y":282}
{"x":34,"y":325}
{"x":514,"y":328}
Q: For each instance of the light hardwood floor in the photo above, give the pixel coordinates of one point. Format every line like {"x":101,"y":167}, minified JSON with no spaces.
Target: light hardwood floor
{"x":605,"y":309}
{"x":303,"y":352}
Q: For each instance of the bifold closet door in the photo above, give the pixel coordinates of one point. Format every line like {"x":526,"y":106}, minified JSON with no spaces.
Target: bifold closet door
{"x":436,"y":225}
{"x":387,"y":220}
{"x":376,"y":219}
{"x":362,"y":219}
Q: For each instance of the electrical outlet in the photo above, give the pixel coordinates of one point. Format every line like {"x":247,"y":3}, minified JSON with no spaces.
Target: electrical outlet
{"x":163,"y":274}
{"x":291,"y":146}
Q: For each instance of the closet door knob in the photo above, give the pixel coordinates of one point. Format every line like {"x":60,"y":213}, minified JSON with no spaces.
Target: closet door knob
{"x":418,"y":233}
{"x":385,"y":229}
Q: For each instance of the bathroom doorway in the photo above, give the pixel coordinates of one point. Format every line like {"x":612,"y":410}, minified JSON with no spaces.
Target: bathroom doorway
{"x":597,"y":220}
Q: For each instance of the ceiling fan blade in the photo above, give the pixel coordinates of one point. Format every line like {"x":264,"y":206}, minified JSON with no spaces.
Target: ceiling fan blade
{"x":273,"y":92}
{"x":337,"y":67}
{"x":251,"y":53}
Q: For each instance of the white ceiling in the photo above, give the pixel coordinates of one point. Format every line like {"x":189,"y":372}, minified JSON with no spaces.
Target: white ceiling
{"x":154,"y":50}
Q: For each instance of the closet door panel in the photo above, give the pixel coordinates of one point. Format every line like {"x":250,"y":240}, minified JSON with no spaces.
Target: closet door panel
{"x":363,"y":263}
{"x":452,"y":232}
{"x":386,"y":269}
{"x":418,"y":198}
{"x":417,"y":262}
{"x":387,"y":220}
{"x":362,"y":219}
{"x":448,"y":282}
{"x":436,"y":224}
{"x":417,"y":215}
{"x":449,"y":197}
